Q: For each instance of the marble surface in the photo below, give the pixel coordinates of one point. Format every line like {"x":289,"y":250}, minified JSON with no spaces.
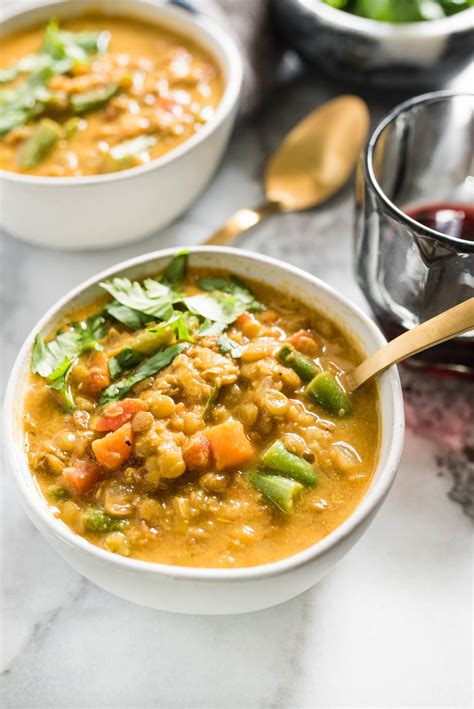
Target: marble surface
{"x":390,"y":627}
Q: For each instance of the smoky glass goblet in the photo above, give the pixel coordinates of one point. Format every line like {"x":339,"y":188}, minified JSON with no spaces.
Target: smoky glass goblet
{"x":414,"y":220}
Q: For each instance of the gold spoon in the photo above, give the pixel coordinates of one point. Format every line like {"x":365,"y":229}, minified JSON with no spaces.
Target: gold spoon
{"x":432,"y":332}
{"x":314,"y":161}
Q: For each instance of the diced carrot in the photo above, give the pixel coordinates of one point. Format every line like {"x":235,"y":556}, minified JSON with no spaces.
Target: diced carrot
{"x":115,"y":414}
{"x":268,"y":317}
{"x":229,"y":444}
{"x":197,"y":453}
{"x":98,"y":377}
{"x":82,"y":476}
{"x":248,"y":325}
{"x":242,"y":320}
{"x":115,"y":448}
{"x":167,"y":104}
{"x":304,"y":342}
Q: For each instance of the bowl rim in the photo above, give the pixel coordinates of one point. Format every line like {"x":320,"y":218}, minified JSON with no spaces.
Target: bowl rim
{"x":367,"y":506}
{"x":383,"y":30}
{"x":462,"y":245}
{"x":207,"y":28}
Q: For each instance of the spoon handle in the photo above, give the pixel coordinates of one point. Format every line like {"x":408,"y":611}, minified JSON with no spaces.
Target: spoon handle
{"x":241,"y":221}
{"x":443,"y":327}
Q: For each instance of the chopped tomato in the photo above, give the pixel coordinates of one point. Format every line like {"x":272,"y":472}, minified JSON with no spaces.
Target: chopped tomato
{"x":82,"y":477}
{"x":115,"y":414}
{"x":304,"y":342}
{"x":115,"y":448}
{"x":98,"y":377}
{"x":229,"y":444}
{"x":197,"y":453}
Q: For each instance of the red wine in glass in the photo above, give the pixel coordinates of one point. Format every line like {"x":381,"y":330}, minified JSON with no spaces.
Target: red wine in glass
{"x":450,"y":218}
{"x":456,"y":220}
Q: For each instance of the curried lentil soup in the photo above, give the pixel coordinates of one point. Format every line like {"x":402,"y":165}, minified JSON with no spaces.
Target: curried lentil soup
{"x":200,"y":421}
{"x":100,"y":94}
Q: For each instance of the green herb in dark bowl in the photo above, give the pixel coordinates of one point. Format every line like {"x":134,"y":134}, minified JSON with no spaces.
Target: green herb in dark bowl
{"x":401,"y":10}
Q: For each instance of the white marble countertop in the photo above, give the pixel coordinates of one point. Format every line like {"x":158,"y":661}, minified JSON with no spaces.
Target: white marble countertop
{"x":390,"y":627}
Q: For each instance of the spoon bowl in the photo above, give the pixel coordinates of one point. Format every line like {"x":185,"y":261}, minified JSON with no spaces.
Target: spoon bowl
{"x":312,"y":163}
{"x":318,"y":156}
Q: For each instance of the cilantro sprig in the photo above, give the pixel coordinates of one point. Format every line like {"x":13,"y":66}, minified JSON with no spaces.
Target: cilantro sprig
{"x":61,"y":51}
{"x":55,"y":359}
{"x":233,"y":286}
{"x":148,"y":368}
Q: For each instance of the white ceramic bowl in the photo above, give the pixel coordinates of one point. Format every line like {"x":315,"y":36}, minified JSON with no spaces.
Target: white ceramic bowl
{"x":384,"y":54}
{"x":211,"y":591}
{"x":105,"y":210}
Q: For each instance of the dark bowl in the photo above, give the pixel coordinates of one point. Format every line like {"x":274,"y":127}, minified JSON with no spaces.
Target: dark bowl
{"x":385,"y":55}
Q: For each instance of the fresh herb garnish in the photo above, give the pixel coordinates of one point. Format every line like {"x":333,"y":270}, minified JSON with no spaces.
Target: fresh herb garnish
{"x":235,"y":287}
{"x":59,"y":381}
{"x":148,"y":368}
{"x":226,"y":345}
{"x":26,"y":101}
{"x":128,"y":358}
{"x":151,"y":298}
{"x":401,"y":10}
{"x":61,"y":51}
{"x":48,"y":356}
{"x":177,"y":324}
{"x":75,"y":47}
{"x":127,"y":316}
{"x":175,"y":272}
{"x":209,"y":328}
{"x":218,"y":307}
{"x":54,"y":360}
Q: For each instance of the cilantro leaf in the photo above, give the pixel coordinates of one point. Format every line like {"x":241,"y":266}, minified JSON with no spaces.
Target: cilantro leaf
{"x":25,"y":101}
{"x":226,"y":345}
{"x":128,"y":358}
{"x":59,"y":381}
{"x":175,"y":272}
{"x":235,"y":287}
{"x":148,"y":368}
{"x":47,"y":357}
{"x":211,"y":328}
{"x":177,"y":324}
{"x":217,"y":306}
{"x":147,"y":299}
{"x":127,"y":316}
{"x":91,"y":331}
{"x":60,"y":45}
{"x":54,"y":360}
{"x":60,"y":52}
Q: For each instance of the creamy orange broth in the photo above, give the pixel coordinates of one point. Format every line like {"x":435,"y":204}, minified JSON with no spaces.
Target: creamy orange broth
{"x":169,"y":88}
{"x":204,"y":516}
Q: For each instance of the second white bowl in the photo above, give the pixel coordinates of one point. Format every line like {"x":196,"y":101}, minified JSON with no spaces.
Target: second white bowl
{"x":105,"y":210}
